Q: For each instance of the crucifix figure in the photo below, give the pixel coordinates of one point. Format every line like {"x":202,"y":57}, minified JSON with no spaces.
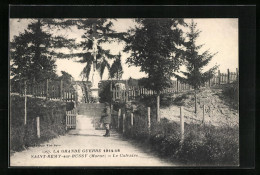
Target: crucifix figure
{"x":95,"y":76}
{"x":95,"y":51}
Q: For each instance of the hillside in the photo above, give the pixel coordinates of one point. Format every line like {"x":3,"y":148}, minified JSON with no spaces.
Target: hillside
{"x":219,"y":109}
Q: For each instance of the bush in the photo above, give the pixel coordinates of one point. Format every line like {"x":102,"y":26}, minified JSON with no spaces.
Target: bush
{"x":203,"y":145}
{"x":69,"y":106}
{"x":105,"y":94}
{"x":208,"y":145}
{"x":180,"y":99}
{"x":52,"y":121}
{"x":148,"y":101}
{"x":232,"y":92}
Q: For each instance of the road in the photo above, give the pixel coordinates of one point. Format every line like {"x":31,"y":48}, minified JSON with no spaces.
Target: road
{"x":86,"y":146}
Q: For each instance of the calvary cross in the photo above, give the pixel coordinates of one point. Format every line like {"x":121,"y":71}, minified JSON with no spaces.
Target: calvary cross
{"x":95,"y":38}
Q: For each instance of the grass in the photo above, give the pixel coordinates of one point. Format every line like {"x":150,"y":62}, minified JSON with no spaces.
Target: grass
{"x":231,"y":94}
{"x":203,"y":145}
{"x":52,"y":121}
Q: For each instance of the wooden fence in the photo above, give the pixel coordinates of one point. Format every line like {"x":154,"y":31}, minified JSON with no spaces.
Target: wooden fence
{"x":131,"y":92}
{"x":71,"y":119}
{"x":49,"y":89}
{"x":124,"y":122}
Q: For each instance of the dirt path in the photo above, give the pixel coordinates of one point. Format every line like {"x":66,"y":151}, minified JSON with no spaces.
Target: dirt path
{"x":86,"y":146}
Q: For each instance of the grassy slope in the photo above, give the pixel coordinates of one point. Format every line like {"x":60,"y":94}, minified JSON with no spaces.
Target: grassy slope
{"x":212,"y":144}
{"x":220,"y":109}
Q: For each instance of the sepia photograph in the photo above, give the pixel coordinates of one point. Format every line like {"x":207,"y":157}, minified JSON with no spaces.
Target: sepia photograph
{"x":124,"y":92}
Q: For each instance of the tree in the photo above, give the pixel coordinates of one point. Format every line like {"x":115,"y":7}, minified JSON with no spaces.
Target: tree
{"x":66,"y":78}
{"x":101,"y":30}
{"x":32,"y":55}
{"x":195,"y":62}
{"x":155,"y":47}
{"x":85,"y":88}
{"x":116,"y":70}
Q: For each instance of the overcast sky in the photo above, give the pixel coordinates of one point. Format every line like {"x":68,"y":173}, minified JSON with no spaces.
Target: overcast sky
{"x":217,"y":34}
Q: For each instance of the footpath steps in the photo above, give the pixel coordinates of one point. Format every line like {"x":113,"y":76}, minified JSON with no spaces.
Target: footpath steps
{"x":91,"y":109}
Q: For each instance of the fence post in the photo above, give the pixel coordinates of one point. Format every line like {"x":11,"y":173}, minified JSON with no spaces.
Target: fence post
{"x":132,"y":119}
{"x":61,"y":89}
{"x":228,"y":76}
{"x":25,"y":103}
{"x":47,"y":88}
{"x":158,"y":107}
{"x":20,"y":88}
{"x":149,"y":118}
{"x":126,"y":94}
{"x":76,"y":99}
{"x":38,"y":126}
{"x":195,"y":102}
{"x":123,"y":123}
{"x":33,"y":88}
{"x":132,"y":123}
{"x":111,"y":92}
{"x":134,"y":93}
{"x":118,"y":118}
{"x":177,"y":85}
{"x":119,"y":93}
{"x":182,"y":124}
{"x":66,"y":121}
{"x":203,"y":114}
{"x":115,"y":92}
{"x":219,"y":77}
{"x":111,"y":109}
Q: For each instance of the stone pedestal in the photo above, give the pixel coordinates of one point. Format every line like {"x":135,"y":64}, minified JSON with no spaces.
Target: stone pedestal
{"x":94,"y":94}
{"x":94,"y":89}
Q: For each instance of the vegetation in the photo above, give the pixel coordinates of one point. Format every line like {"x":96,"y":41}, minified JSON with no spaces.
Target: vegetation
{"x":105,"y":94}
{"x":70,"y":106}
{"x":52,"y":119}
{"x":203,"y":144}
{"x":97,"y":32}
{"x":116,"y":70}
{"x":66,"y":77}
{"x":155,"y":47}
{"x":195,"y":62}
{"x":232,"y":94}
{"x":32,"y":54}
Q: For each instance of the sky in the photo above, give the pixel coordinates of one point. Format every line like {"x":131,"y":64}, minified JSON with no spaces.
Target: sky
{"x":217,"y":34}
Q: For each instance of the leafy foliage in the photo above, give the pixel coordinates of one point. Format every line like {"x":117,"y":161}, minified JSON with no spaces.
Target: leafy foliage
{"x":105,"y":94}
{"x":195,"y":61}
{"x":100,"y":29}
{"x":203,"y":144}
{"x":32,"y":54}
{"x":70,"y":106}
{"x":52,"y":117}
{"x":66,"y":78}
{"x":116,"y":70}
{"x":155,"y":47}
{"x":232,"y":94}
